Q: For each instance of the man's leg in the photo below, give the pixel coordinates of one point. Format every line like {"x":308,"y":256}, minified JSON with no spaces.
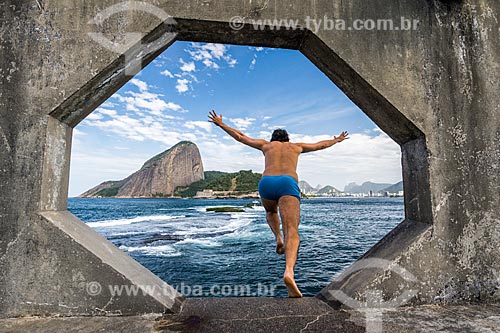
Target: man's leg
{"x":289,"y":208}
{"x":273,"y":220}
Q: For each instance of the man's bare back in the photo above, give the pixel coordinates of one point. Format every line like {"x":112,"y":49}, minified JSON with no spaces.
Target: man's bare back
{"x":281,"y":158}
{"x":278,"y":189}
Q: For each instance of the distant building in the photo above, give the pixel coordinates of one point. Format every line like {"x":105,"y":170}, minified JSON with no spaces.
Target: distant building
{"x":207,"y":194}
{"x":204,"y":194}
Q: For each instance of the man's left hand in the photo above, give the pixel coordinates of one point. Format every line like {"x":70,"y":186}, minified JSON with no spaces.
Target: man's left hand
{"x":341,"y":137}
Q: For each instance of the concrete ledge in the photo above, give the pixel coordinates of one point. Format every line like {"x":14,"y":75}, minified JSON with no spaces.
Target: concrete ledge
{"x":151,"y":287}
{"x":355,"y":283}
{"x":272,"y":315}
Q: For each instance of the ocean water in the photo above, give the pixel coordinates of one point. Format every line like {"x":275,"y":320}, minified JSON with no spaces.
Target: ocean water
{"x":214,"y":254}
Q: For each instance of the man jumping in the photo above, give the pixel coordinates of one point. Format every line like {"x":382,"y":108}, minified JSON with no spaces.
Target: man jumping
{"x":279,"y":189}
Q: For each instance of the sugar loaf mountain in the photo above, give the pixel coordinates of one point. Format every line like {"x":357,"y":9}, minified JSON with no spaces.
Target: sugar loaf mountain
{"x":178,"y":172}
{"x":180,"y":165}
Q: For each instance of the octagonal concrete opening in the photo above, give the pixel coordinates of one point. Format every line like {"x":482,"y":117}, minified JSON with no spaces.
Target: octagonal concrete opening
{"x":63,"y":119}
{"x":329,"y":228}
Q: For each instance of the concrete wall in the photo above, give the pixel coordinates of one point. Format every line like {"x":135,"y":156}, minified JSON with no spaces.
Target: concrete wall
{"x":434,"y":90}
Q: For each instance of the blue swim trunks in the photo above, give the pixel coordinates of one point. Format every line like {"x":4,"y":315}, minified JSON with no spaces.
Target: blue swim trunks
{"x":274,"y":187}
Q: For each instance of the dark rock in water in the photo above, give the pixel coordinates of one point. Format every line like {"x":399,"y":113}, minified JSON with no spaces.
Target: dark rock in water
{"x":180,"y":165}
{"x":225,"y":209}
{"x":162,"y":237}
{"x":253,"y":204}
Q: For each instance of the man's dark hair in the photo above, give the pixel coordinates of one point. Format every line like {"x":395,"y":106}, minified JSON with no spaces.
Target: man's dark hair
{"x":280,"y":135}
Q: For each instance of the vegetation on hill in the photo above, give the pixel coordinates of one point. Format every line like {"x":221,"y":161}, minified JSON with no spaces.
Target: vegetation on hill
{"x":108,"y":189}
{"x":108,"y":192}
{"x":243,"y":181}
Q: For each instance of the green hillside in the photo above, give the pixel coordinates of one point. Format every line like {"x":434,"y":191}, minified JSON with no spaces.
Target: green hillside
{"x":241,"y":181}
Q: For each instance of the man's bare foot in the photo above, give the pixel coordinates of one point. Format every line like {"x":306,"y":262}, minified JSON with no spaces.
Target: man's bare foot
{"x":280,"y":246}
{"x":293,"y":290}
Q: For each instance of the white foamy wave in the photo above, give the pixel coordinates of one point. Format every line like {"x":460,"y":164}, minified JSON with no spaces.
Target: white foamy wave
{"x":160,"y":250}
{"x":244,"y":215}
{"x":241,"y":233}
{"x":256,"y":208}
{"x":235,"y":224}
{"x":199,"y":241}
{"x":138,"y":219}
{"x":212,"y":226}
{"x":129,"y":233}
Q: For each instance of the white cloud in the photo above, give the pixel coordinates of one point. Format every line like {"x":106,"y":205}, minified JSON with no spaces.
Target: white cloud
{"x":94,"y":116}
{"x":209,"y":63}
{"x":78,"y":132}
{"x":147,"y":101}
{"x":108,"y":104}
{"x":259,"y":49}
{"x":209,"y":54}
{"x":242,"y":123}
{"x":109,"y":165}
{"x":252,"y":64}
{"x":190,"y":76}
{"x":217,"y":50}
{"x":143,"y":86}
{"x":187,"y":66}
{"x":265,"y":135}
{"x":107,"y":112}
{"x":166,"y":72}
{"x":199,"y":124}
{"x":173,"y":106}
{"x":137,"y":129}
{"x":229,"y":155}
{"x":182,"y":85}
{"x":144,"y":100}
{"x":360,"y":158}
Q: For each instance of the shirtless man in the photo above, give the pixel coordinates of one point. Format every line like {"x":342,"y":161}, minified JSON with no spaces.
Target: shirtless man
{"x":279,"y":190}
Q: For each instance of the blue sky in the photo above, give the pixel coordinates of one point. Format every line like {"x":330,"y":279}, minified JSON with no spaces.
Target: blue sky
{"x":256,"y":90}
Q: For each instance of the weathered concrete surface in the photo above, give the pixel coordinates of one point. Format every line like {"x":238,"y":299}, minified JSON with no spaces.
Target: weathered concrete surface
{"x":272,"y":315}
{"x":434,"y":90}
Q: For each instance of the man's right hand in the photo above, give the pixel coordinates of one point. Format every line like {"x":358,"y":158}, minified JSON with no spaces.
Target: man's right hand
{"x":214,"y":118}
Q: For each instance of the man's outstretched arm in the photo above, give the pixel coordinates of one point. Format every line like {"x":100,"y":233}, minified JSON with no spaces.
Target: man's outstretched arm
{"x":309,"y":147}
{"x":237,"y":135}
